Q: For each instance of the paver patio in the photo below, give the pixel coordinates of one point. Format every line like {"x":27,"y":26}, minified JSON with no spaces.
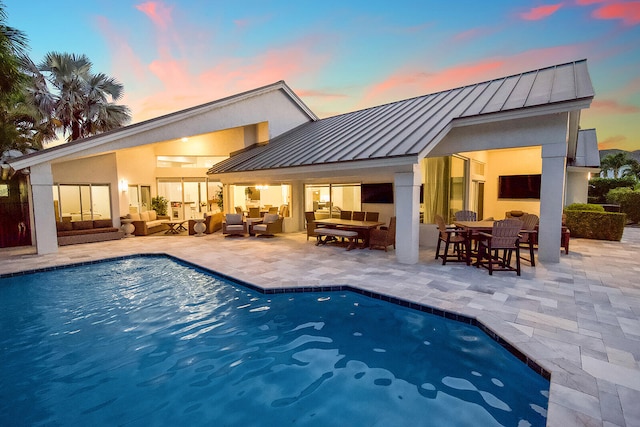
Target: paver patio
{"x":579,"y":319}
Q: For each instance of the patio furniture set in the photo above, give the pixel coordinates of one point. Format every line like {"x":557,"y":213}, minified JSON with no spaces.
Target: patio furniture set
{"x":495,"y":245}
{"x":354,"y":227}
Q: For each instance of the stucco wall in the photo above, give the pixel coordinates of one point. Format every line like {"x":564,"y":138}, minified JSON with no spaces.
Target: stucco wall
{"x":510,"y":162}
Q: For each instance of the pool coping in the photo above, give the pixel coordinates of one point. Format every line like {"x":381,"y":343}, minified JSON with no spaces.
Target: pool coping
{"x":469,"y":320}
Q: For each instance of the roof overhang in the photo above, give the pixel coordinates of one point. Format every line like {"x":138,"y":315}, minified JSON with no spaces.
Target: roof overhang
{"x":91,"y":145}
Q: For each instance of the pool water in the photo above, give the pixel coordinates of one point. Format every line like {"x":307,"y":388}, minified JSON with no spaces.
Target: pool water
{"x":152,"y":341}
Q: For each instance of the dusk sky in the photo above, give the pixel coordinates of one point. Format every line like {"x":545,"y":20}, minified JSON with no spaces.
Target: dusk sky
{"x":341,"y":56}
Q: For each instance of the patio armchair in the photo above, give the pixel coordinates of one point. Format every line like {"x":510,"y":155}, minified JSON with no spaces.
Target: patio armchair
{"x":383,"y":237}
{"x":270,"y":225}
{"x":495,"y":250}
{"x":454,"y":238}
{"x":234,"y":225}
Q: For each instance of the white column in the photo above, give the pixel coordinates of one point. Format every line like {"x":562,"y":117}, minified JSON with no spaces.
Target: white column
{"x":407,"y":192}
{"x":44,"y":220}
{"x":296,"y":208}
{"x":554,"y":159}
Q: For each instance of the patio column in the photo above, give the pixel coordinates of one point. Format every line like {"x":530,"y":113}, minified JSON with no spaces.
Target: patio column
{"x":407,"y":189}
{"x":554,"y":160}
{"x":44,"y":220}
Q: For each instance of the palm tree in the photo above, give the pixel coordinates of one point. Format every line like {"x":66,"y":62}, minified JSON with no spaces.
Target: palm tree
{"x":614,"y":162}
{"x":13,"y":43}
{"x":634,"y":169}
{"x":80,"y":103}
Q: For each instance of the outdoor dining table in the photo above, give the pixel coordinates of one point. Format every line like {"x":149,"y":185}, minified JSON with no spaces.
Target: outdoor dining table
{"x":360,"y":226}
{"x":471,"y":228}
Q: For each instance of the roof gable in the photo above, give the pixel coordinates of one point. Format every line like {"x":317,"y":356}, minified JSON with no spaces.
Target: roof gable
{"x":93,"y":144}
{"x":406,"y":128}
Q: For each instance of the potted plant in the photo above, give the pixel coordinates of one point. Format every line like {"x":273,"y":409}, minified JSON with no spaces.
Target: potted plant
{"x":160,"y":205}
{"x":220,"y":198}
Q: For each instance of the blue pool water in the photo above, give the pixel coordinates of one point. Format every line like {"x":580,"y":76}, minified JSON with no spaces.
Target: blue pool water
{"x":151,"y":341}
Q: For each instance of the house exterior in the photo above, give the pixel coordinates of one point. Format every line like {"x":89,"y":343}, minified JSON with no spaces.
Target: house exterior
{"x":440,"y":152}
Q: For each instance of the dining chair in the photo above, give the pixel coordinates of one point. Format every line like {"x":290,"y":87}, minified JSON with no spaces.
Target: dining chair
{"x":254,"y":212}
{"x":273,"y":210}
{"x":310,"y":217}
{"x":451,"y":237}
{"x":528,"y":236}
{"x":345,"y":214}
{"x":357,"y":216}
{"x":371,"y":216}
{"x":383,"y":237}
{"x":503,"y":238}
{"x":465,"y":216}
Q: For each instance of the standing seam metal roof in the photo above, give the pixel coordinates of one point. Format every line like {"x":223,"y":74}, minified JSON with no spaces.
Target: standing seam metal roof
{"x":405,"y":128}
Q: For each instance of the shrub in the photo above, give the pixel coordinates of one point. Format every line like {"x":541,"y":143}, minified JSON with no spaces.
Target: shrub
{"x":595,"y":225}
{"x":599,"y":187}
{"x":629,"y":201}
{"x":584,"y":207}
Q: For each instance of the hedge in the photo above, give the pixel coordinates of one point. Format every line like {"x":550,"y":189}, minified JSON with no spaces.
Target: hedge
{"x":595,"y":225}
{"x":584,"y":207}
{"x":629,"y":201}
{"x":600,"y":187}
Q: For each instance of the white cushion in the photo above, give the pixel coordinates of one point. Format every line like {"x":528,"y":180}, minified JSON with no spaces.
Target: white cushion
{"x":144,"y":216}
{"x":235,"y":228}
{"x":234,"y":219}
{"x":260,"y":227}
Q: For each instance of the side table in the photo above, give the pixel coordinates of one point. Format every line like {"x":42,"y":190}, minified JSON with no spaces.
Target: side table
{"x":199,"y":227}
{"x":127,"y":227}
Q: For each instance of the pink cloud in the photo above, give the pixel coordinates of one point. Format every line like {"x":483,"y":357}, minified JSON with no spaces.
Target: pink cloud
{"x":472,"y":34}
{"x":125,"y":60}
{"x":609,"y":106}
{"x":409,"y":82}
{"x":616,"y":141}
{"x":540,"y":12}
{"x":158,"y":12}
{"x":309,"y":93}
{"x":628,"y":12}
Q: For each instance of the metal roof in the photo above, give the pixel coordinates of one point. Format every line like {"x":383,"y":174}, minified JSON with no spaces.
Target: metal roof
{"x":405,"y":128}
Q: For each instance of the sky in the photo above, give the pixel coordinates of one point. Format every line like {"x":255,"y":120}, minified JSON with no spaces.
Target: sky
{"x":342,"y":56}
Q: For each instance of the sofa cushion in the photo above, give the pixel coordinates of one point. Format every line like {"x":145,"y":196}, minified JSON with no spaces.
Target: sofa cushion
{"x":144,"y":216}
{"x":82,"y":225}
{"x":235,"y":227}
{"x":152,"y":215}
{"x":269,"y":218}
{"x":102,"y":223}
{"x":134,"y":216}
{"x":155,"y":223}
{"x":63,"y":226}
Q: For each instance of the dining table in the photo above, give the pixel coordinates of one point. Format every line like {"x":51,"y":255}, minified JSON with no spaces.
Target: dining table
{"x":362,"y":227}
{"x":474,"y":228}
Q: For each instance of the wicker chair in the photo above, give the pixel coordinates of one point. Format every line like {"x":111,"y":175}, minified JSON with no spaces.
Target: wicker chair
{"x":234,"y":225}
{"x":465,"y":216}
{"x":311,"y":224}
{"x":384,"y":237}
{"x":270,"y":225}
{"x":504,"y":238}
{"x":528,"y":236}
{"x":451,"y":236}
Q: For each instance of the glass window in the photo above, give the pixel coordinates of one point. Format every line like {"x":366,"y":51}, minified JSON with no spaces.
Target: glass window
{"x":445,"y":187}
{"x":82,"y":202}
{"x":262,"y":196}
{"x":328,"y":200}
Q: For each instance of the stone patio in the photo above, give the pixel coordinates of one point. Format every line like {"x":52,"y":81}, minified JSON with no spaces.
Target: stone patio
{"x":579,"y":319}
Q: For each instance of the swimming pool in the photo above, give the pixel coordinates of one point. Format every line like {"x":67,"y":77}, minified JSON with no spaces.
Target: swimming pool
{"x":152,"y":341}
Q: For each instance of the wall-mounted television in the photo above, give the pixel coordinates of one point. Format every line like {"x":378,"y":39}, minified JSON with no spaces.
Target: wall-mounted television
{"x":376,"y":193}
{"x":519,"y":186}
